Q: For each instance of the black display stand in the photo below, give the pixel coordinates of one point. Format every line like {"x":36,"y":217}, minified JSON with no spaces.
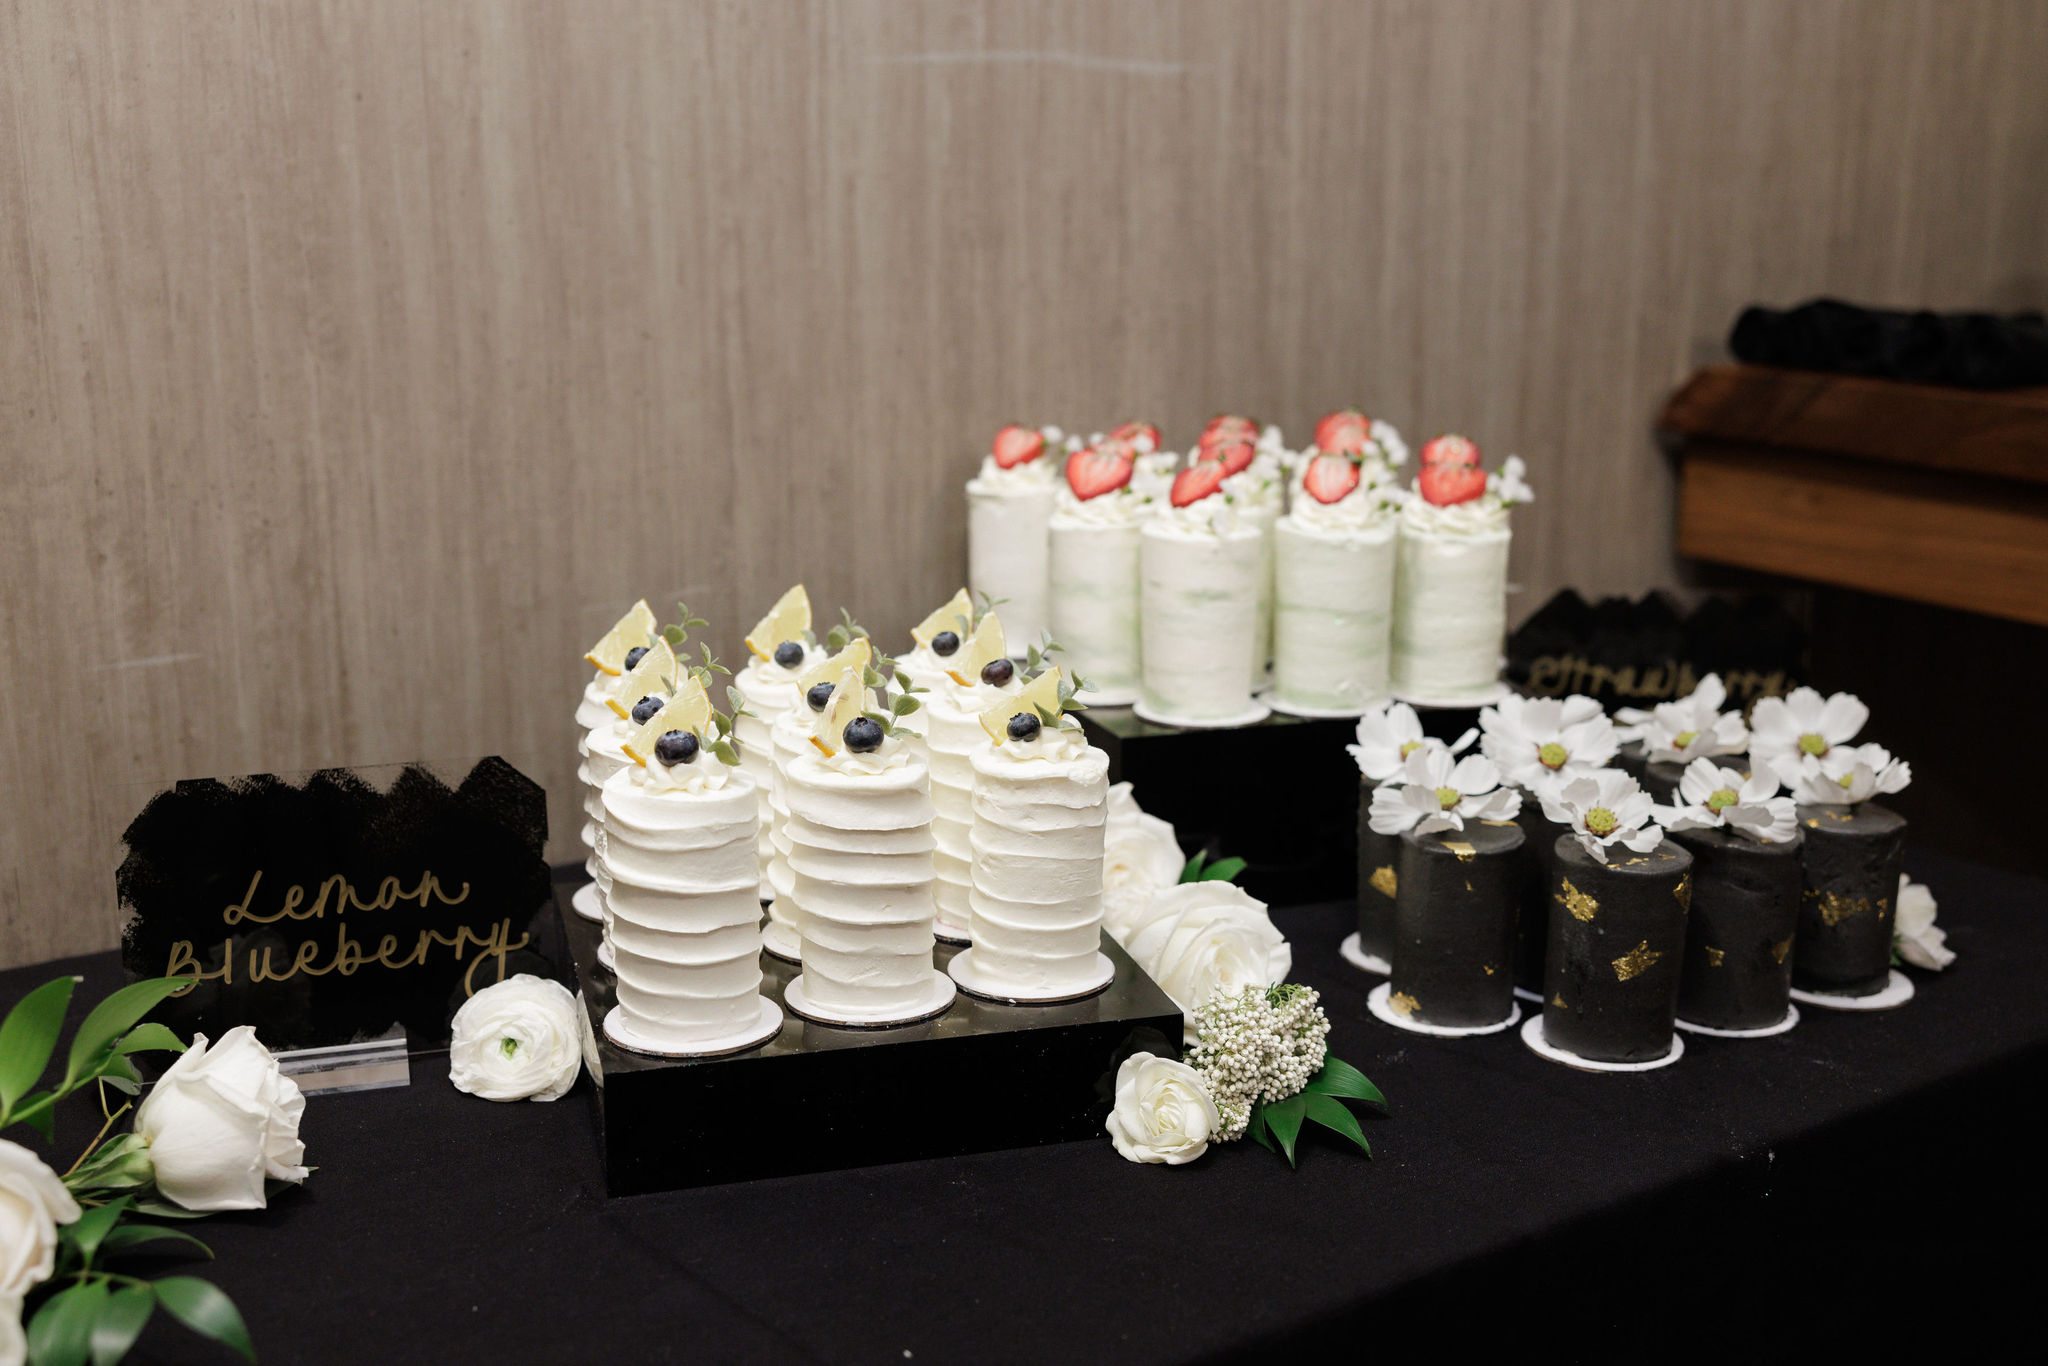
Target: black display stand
{"x":817,"y":1097}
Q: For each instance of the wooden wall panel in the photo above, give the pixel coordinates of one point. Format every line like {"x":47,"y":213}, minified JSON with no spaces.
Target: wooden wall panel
{"x":359,"y":361}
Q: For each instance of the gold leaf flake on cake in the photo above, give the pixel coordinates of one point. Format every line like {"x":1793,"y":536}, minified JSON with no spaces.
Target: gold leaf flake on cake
{"x":1780,"y":949}
{"x":1401,"y":1003}
{"x":1557,"y":999}
{"x":1465,"y":852}
{"x":1382,"y":880}
{"x":1636,"y":961}
{"x":1487,"y":968}
{"x":1683,"y":891}
{"x":1714,"y":956}
{"x":1835,"y":907}
{"x":1581,"y":906}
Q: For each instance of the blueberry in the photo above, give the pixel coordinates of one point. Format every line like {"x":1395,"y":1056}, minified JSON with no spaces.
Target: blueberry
{"x":677,"y":747}
{"x":633,"y":655}
{"x":997,"y":672}
{"x":863,"y":735}
{"x":819,"y":697}
{"x":945,"y":642}
{"x":789,"y":654}
{"x":644,"y":709}
{"x":1024,"y":726}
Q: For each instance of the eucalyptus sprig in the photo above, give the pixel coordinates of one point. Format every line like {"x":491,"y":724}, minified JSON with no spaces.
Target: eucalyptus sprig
{"x":1061,"y":714}
{"x":1038,"y":658}
{"x":984,"y":603}
{"x":679,"y":633}
{"x":896,"y":691}
{"x":845,"y":633}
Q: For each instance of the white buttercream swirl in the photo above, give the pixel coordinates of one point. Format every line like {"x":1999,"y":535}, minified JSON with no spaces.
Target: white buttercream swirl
{"x":1053,"y":744}
{"x":1376,"y":499}
{"x":1481,"y":516}
{"x":705,"y":773}
{"x":1216,"y":515}
{"x":1124,"y":507}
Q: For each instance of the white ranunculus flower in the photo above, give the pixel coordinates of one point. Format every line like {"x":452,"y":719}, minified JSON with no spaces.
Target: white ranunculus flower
{"x":220,"y":1120}
{"x":1602,"y":809}
{"x":13,"y":1341}
{"x":1529,"y":737}
{"x":1434,"y":793}
{"x":1139,"y":851}
{"x":1197,"y":939}
{"x":1848,"y":774}
{"x":1785,"y":731}
{"x":33,"y":1203}
{"x":1694,"y":727}
{"x":1918,"y":939}
{"x":516,"y":1040}
{"x":1163,"y":1112}
{"x":1713,"y":797}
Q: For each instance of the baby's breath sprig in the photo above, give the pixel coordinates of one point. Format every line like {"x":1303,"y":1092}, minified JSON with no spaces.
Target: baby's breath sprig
{"x":1264,"y":1055}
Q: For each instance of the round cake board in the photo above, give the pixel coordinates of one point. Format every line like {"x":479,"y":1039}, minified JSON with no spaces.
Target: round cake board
{"x":937,"y":999}
{"x":1533,"y":997}
{"x":780,"y":938}
{"x":607,"y":957}
{"x":585,"y":902}
{"x":1485,"y":698}
{"x":767,"y":1024}
{"x":1532,"y":1035}
{"x":1256,"y":712}
{"x":950,"y":934}
{"x":1898,"y":989}
{"x":1377,"y":1003}
{"x":1351,"y":952}
{"x":1107,"y":697}
{"x":972,"y":982}
{"x":1302,"y":709}
{"x":1762,"y":1032}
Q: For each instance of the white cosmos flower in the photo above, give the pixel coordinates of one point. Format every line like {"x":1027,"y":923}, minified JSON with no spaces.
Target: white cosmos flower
{"x":1914,"y":934}
{"x":1848,"y":774}
{"x":1786,"y":731}
{"x":1629,"y":724}
{"x":1529,"y":737}
{"x":1602,"y":809}
{"x":1388,"y":734}
{"x":1695,"y":727}
{"x":1435,"y":792}
{"x":1721,"y":798}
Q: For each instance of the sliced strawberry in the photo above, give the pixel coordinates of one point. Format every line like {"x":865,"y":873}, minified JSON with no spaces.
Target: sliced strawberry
{"x":1232,"y":455}
{"x":1016,"y":445}
{"x":1129,"y":432}
{"x":1448,"y":484}
{"x":1197,"y":482}
{"x":1225,"y":427}
{"x":1330,"y":477}
{"x":1449,"y":450}
{"x":1346,"y":430}
{"x":1098,"y":470}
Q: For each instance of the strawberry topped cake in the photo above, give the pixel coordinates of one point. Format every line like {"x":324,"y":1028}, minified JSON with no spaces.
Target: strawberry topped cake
{"x":1009,"y":503}
{"x":1334,"y":570}
{"x":1093,"y":604}
{"x":1200,"y":561}
{"x":1255,"y":480}
{"x":1450,"y":576}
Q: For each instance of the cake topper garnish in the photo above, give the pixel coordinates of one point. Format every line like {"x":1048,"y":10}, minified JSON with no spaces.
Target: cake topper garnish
{"x":1015,"y":445}
{"x":653,"y":674}
{"x":1789,"y":734}
{"x":1045,"y":704}
{"x":1451,"y":475}
{"x":1716,"y":798}
{"x":1436,"y":792}
{"x":1141,"y":437}
{"x":1344,"y":432}
{"x":1848,"y":775}
{"x":1534,"y":739}
{"x":980,"y":654}
{"x":1388,"y":734}
{"x":688,"y":710}
{"x":817,"y":683}
{"x":1695,"y":727}
{"x":1603,"y":809}
{"x":1095,"y":470}
{"x":1197,"y":482}
{"x":943,"y":630}
{"x":629,"y":632}
{"x":834,"y":728}
{"x":779,"y":637}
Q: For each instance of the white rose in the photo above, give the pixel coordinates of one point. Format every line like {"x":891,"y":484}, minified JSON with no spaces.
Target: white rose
{"x":1197,"y":939}
{"x":33,"y":1202}
{"x":517,"y":1040}
{"x":1163,"y":1112}
{"x":1140,"y":852}
{"x":1920,"y":941}
{"x":221,"y":1120}
{"x":13,"y":1342}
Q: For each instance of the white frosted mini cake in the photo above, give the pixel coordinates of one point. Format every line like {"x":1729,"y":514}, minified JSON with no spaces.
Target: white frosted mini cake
{"x":780,"y":654}
{"x":1094,"y":573}
{"x":1450,"y":577}
{"x":1199,"y":569}
{"x":981,"y":677}
{"x":1009,"y":503}
{"x":790,"y":739}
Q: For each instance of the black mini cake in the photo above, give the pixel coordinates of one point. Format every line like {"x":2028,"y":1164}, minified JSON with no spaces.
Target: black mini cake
{"x":1539,"y":868}
{"x":1660,"y":779}
{"x":1617,"y":943}
{"x":1454,"y":925}
{"x":1849,"y":865}
{"x":1379,"y":858}
{"x":1738,"y":941}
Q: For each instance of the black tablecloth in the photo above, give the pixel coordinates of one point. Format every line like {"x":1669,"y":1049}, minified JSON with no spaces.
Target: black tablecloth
{"x":1851,"y":1179}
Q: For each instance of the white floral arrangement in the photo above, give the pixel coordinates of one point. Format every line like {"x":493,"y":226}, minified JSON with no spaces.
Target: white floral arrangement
{"x":1537,"y":740}
{"x":1388,"y":734}
{"x":1435,"y":792}
{"x":1848,"y":775}
{"x":1716,"y":798}
{"x":1807,"y":740}
{"x":1916,"y":939}
{"x":1604,"y":809}
{"x":1694,"y":726}
{"x":519,"y":1039}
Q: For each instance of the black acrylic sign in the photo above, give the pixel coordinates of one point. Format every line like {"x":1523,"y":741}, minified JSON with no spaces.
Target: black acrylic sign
{"x":1637,"y":654}
{"x":331,"y":908}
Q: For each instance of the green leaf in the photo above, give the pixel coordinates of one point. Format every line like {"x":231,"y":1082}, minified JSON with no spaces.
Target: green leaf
{"x":904,"y":704}
{"x":200,"y":1306}
{"x":1257,"y":1129}
{"x":727,"y":755}
{"x":44,"y":1120}
{"x":1193,"y":871}
{"x":89,"y":1228}
{"x":123,"y":1085}
{"x":150,"y":1037}
{"x":135,"y":1235}
{"x":1331,"y":1114}
{"x":1223,"y":870}
{"x":1285,"y":1118}
{"x":29,"y":1035}
{"x":120,"y":1322}
{"x":164,"y":1209}
{"x":61,"y":1332}
{"x":112,"y":1018}
{"x":1340,"y":1078}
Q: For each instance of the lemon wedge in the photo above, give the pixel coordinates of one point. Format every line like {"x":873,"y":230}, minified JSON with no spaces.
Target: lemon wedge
{"x":655,"y":673}
{"x":688,"y":710}
{"x":856,"y":656}
{"x":631,"y":630}
{"x":788,"y":619}
{"x":849,"y":699}
{"x":1040,"y":694}
{"x":986,"y":644}
{"x":954,"y":616}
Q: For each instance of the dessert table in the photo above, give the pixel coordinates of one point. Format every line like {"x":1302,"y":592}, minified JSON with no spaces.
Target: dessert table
{"x":1852,"y":1179}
